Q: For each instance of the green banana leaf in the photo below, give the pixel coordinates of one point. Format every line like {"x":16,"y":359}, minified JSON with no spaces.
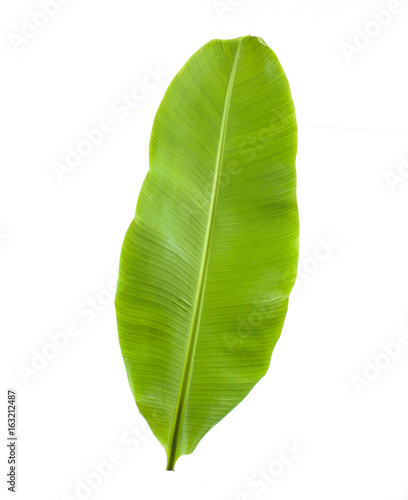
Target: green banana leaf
{"x":211,"y":255}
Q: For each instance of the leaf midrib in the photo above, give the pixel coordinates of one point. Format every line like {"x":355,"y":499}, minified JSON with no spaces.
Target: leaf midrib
{"x":198,"y":301}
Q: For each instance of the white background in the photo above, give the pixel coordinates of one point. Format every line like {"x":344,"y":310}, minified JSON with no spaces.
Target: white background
{"x":60,"y":242}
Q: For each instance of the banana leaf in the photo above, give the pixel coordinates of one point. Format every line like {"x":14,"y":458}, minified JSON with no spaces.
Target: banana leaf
{"x":210,"y":257}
